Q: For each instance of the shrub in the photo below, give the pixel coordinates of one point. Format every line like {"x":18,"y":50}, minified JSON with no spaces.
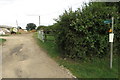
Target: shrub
{"x":82,"y":33}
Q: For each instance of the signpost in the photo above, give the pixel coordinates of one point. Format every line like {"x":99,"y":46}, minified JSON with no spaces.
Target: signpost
{"x":107,"y":21}
{"x":111,"y":37}
{"x":111,"y":48}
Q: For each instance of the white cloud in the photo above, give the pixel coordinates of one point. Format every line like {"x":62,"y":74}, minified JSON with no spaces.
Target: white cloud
{"x":10,"y":10}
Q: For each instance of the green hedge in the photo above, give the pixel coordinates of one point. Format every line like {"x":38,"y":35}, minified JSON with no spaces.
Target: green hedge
{"x":82,"y":33}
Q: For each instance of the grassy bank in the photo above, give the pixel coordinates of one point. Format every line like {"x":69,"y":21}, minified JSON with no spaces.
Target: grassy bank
{"x":98,"y":68}
{"x":4,"y":35}
{"x":2,"y":40}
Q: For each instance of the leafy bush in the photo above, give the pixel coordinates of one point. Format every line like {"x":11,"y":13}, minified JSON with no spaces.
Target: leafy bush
{"x":41,"y":27}
{"x":82,"y":33}
{"x":47,"y":29}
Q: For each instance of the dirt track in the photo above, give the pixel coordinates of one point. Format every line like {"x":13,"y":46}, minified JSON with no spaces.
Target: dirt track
{"x":22,"y":58}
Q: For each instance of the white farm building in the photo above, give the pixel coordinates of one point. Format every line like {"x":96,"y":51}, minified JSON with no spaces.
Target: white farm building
{"x":4,"y":29}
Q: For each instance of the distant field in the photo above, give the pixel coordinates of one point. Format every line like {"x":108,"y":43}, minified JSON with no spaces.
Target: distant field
{"x":2,"y":40}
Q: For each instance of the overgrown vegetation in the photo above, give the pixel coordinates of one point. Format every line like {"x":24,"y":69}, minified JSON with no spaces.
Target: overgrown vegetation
{"x":96,"y":68}
{"x":47,"y":29}
{"x":82,"y":34}
{"x":82,"y":40}
{"x":50,"y":46}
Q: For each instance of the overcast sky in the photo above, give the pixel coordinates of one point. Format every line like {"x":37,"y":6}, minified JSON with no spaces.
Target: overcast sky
{"x":27,"y":11}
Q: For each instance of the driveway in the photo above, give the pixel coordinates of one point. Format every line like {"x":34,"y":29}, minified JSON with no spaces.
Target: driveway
{"x":23,"y":58}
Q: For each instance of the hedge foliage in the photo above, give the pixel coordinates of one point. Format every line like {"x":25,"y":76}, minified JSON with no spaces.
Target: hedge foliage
{"x":82,"y":33}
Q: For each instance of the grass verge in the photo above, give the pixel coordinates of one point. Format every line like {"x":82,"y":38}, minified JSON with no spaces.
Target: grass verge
{"x":4,"y":35}
{"x":48,"y":46}
{"x":2,"y":40}
{"x":98,"y":68}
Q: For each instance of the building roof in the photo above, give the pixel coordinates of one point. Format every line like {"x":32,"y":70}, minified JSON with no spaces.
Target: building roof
{"x":5,"y":26}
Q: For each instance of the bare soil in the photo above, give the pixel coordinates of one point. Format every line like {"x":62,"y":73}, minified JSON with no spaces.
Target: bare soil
{"x":23,"y":58}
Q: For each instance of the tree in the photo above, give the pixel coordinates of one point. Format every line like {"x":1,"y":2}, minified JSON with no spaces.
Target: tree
{"x":41,"y":27}
{"x":30,"y":26}
{"x":19,"y":27}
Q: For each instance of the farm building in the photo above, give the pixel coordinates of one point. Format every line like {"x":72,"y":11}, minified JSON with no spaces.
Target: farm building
{"x":22,"y":31}
{"x":4,"y":29}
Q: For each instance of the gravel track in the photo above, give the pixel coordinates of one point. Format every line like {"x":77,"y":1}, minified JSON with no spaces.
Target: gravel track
{"x":23,"y":58}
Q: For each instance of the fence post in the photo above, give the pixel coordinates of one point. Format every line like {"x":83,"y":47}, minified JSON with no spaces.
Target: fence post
{"x":41,"y":35}
{"x":38,"y":34}
{"x":45,"y":35}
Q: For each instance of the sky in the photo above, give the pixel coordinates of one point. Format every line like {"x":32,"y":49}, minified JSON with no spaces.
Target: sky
{"x":27,"y":11}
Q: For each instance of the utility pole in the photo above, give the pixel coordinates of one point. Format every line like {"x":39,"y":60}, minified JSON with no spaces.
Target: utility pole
{"x":17,"y":23}
{"x":39,"y":20}
{"x":38,"y":16}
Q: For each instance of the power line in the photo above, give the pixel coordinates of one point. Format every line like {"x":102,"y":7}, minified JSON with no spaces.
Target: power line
{"x":38,"y":16}
{"x":57,"y":11}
